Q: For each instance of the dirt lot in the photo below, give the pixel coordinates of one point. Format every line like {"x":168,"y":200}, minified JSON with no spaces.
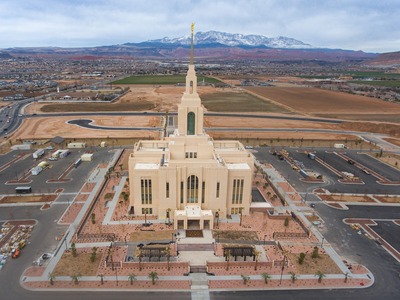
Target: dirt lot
{"x":346,"y":198}
{"x":319,"y":102}
{"x":70,"y":266}
{"x":311,"y":266}
{"x":143,"y":236}
{"x":27,"y":199}
{"x":238,"y":101}
{"x":41,"y":128}
{"x":166,"y":98}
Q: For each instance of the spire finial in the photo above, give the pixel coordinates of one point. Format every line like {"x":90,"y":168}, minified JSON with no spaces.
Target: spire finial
{"x":191,"y":45}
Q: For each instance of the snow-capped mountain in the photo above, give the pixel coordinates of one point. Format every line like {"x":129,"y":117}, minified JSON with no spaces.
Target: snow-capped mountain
{"x":235,"y":40}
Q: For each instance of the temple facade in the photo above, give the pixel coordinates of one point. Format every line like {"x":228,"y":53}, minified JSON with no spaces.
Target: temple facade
{"x":188,"y":178}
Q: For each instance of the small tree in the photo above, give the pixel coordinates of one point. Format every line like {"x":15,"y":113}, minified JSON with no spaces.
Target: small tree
{"x":153,"y":276}
{"x":286,"y":224}
{"x":293,"y":277}
{"x":101,"y":278}
{"x":320,"y":276}
{"x":73,"y":250}
{"x":126,"y":197}
{"x":245,"y":278}
{"x":131,"y":278}
{"x":93,"y":218}
{"x":315,"y":252}
{"x":75,"y":278}
{"x":266,"y":277}
{"x":302,"y":256}
{"x":346,"y":276}
{"x":93,"y":255}
{"x":52,"y":277}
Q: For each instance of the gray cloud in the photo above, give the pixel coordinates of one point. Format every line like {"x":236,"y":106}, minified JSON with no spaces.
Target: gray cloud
{"x":348,"y":24}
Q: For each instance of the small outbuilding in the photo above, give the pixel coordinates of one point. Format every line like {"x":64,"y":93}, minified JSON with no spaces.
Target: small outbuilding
{"x":76,"y":145}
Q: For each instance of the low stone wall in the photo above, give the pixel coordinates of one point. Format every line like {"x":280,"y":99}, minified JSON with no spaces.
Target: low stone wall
{"x":175,"y":268}
{"x":238,"y":267}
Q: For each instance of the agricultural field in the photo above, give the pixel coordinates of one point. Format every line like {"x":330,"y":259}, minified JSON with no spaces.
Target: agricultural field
{"x":161,"y":79}
{"x":238,"y":102}
{"x":318,"y":102}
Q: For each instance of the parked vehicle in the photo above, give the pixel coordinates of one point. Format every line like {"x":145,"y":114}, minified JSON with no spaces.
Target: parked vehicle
{"x":15,"y":253}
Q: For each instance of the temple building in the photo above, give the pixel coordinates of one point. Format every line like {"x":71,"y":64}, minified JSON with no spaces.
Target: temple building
{"x":187,"y":177}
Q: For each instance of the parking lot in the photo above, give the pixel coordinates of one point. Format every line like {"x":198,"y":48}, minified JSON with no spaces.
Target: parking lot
{"x":369,"y":183}
{"x":51,"y":178}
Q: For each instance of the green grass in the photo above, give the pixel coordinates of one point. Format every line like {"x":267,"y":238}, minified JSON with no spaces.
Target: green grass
{"x":161,"y":79}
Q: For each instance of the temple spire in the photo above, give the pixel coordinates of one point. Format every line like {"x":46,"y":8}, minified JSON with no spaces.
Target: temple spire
{"x":191,"y":45}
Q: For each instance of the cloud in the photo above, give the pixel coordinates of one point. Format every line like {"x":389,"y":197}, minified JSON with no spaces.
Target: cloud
{"x":348,"y":24}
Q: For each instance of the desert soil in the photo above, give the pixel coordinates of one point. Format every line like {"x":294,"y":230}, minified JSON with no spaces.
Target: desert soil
{"x":274,"y":100}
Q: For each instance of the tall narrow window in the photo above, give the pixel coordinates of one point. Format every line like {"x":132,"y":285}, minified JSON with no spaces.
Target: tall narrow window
{"x":203,"y":191}
{"x":182,"y":186}
{"x":167,"y":189}
{"x":191,"y":87}
{"x":237,"y":191}
{"x":217,"y":194}
{"x":146,"y":191}
{"x":192,"y":189}
{"x":191,"y":122}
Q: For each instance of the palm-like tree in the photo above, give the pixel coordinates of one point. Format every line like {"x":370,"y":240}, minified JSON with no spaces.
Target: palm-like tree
{"x":245,"y":278}
{"x":167,"y":253}
{"x":101,"y":278}
{"x":75,"y":278}
{"x":266,"y":277}
{"x":153,"y":276}
{"x":293,"y":277}
{"x":320,"y":276}
{"x":346,"y":276}
{"x":131,"y":278}
{"x":52,"y":277}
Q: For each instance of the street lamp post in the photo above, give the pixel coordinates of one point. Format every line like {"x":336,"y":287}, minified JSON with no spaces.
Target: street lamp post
{"x":116,"y":275}
{"x":322,"y":242}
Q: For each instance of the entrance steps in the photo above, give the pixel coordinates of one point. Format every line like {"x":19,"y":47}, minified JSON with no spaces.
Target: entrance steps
{"x":199,"y":281}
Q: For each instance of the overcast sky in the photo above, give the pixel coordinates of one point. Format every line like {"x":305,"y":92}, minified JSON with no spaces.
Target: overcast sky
{"x":368,"y":25}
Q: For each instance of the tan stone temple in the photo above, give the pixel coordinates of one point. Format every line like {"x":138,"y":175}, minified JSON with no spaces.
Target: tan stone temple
{"x":188,"y":177}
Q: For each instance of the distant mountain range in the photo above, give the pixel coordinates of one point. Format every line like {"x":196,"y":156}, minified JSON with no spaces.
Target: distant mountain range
{"x":211,"y":45}
{"x":391,"y":59}
{"x":235,"y":40}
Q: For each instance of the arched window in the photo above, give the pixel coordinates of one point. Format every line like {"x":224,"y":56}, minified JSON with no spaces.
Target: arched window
{"x":191,"y":118}
{"x":192,"y":189}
